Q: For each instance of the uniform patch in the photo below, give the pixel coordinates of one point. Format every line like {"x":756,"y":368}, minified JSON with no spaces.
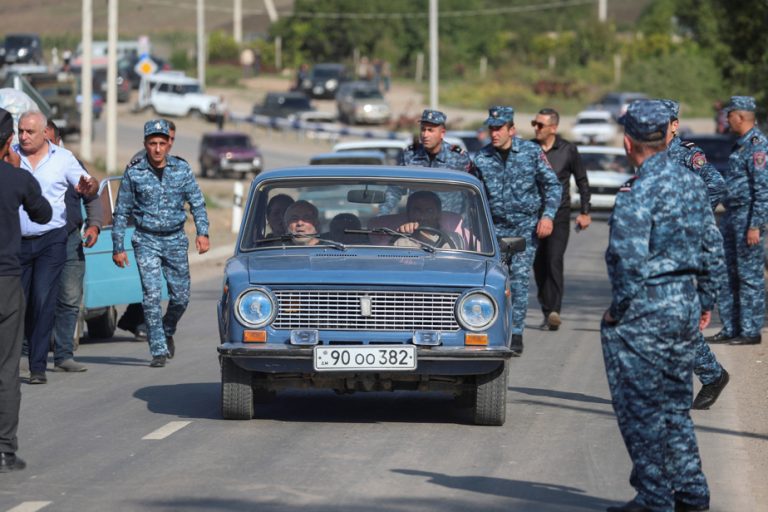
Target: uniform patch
{"x":759,"y":159}
{"x":456,"y":149}
{"x":688,"y":144}
{"x":627,"y":186}
{"x":698,"y":160}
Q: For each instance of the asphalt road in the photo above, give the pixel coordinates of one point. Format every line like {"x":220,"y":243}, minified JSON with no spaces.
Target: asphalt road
{"x":124,"y":436}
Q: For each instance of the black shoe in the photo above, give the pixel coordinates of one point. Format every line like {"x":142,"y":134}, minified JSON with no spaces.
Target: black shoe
{"x":516,"y":346}
{"x":38,"y":378}
{"x":720,"y":337}
{"x":171,"y":346}
{"x":746,"y":340}
{"x":709,"y":393}
{"x":10,"y":462}
{"x":681,"y":506}
{"x":632,"y":506}
{"x":157,"y":362}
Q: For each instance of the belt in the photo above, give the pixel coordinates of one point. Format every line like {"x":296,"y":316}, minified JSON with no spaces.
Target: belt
{"x":159,"y":233}
{"x":34,"y":237}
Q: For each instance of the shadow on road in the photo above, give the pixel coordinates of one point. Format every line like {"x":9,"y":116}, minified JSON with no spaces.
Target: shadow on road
{"x":564,"y":395}
{"x":112,"y":361}
{"x":537,"y":494}
{"x":198,"y":400}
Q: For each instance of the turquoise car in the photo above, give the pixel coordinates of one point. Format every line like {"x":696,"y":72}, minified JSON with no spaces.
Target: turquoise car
{"x":367,"y":278}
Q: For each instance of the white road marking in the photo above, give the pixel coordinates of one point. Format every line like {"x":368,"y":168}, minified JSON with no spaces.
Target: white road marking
{"x":166,"y":430}
{"x":30,"y":506}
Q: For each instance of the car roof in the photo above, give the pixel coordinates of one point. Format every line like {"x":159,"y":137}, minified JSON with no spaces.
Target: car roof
{"x":602,"y":114}
{"x":371,"y":143}
{"x":369,"y":171}
{"x":173,"y":77}
{"x":220,"y":135}
{"x":608,"y":150}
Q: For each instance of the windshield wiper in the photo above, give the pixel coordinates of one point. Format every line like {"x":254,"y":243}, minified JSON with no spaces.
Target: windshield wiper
{"x":290,"y":237}
{"x":392,"y":232}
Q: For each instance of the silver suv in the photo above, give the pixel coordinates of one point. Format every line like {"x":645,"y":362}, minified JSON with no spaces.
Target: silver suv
{"x":362,"y":102}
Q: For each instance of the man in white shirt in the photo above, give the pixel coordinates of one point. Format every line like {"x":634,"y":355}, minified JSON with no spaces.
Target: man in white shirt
{"x":43,"y":246}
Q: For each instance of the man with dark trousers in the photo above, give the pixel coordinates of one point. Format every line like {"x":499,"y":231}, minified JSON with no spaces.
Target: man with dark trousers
{"x":17,"y":188}
{"x":548,"y":262}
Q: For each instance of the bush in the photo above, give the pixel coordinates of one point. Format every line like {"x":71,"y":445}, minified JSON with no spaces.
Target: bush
{"x":223,"y":75}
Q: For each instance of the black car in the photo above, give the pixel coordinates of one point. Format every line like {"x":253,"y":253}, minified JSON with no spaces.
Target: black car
{"x":283,"y":104}
{"x":324,"y":80}
{"x":21,"y":48}
{"x":716,"y":147}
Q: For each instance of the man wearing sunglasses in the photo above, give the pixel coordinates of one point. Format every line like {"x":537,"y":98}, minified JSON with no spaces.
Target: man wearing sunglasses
{"x":548,"y":263}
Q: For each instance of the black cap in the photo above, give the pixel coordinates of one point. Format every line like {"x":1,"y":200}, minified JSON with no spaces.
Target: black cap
{"x":6,"y":123}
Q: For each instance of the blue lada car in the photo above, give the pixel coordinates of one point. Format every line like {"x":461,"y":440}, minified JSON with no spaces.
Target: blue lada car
{"x":367,"y":278}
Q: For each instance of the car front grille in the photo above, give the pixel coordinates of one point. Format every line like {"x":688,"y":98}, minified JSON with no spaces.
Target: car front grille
{"x":360,"y":310}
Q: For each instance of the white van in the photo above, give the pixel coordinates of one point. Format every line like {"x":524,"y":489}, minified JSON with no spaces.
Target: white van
{"x":172,"y":93}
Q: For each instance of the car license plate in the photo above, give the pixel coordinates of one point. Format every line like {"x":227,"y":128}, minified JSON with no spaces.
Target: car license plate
{"x":365,"y":358}
{"x":242,"y":167}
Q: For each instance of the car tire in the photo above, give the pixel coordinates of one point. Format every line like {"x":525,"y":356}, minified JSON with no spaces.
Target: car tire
{"x":103,"y":326}
{"x":491,"y":397}
{"x":236,"y":391}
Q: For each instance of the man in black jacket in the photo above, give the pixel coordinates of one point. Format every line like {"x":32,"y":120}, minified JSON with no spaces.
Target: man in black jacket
{"x":17,"y":188}
{"x":548,"y":263}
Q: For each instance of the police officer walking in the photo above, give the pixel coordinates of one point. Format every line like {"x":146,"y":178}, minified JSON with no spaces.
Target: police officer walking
{"x":154,"y":191}
{"x":663,"y":293}
{"x":710,"y":372}
{"x":524,"y":195}
{"x":742,"y":303}
{"x":548,"y":263}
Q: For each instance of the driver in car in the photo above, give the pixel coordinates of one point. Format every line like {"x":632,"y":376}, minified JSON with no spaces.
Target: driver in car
{"x":423,"y":210}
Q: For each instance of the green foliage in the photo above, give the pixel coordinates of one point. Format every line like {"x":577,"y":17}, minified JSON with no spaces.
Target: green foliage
{"x":223,"y":75}
{"x":222,"y":48}
{"x":180,"y":60}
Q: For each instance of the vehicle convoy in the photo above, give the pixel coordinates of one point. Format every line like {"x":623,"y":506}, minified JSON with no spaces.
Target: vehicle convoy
{"x":594,"y":127}
{"x":21,"y":48}
{"x":362,"y":103}
{"x":228,"y":154}
{"x":324,"y":291}
{"x":324,"y":80}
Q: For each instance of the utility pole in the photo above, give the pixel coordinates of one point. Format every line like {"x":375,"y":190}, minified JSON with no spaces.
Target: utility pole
{"x":237,"y":29}
{"x":201,"y":53}
{"x":86,"y":114}
{"x":111,"y":88}
{"x":433,"y":41}
{"x":602,"y":11}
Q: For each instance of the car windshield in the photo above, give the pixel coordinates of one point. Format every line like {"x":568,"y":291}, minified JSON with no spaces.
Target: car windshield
{"x":591,"y":120}
{"x":298,"y":103}
{"x":230,"y":141}
{"x":367,"y":94}
{"x":15,"y":42}
{"x":606,"y":162}
{"x":343,"y":212}
{"x":325,"y":73}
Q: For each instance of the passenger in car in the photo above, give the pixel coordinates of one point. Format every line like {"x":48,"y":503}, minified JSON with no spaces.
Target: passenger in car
{"x":342,"y":222}
{"x":302,"y":218}
{"x":275,"y":211}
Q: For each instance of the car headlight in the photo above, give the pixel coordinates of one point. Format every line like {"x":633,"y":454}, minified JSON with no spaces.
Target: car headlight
{"x":331,"y":84}
{"x":255,"y":308}
{"x":476,"y":311}
{"x":257,"y":161}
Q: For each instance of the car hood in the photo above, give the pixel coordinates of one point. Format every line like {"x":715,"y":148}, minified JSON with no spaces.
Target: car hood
{"x":352,"y":268}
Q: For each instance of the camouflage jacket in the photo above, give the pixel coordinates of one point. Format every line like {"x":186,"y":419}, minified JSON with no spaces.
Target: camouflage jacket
{"x":692,"y":157}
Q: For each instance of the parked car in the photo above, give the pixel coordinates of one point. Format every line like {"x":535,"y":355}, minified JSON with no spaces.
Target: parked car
{"x":324,"y":80}
{"x":227,"y":154}
{"x":349,"y":158}
{"x":617,"y":102}
{"x":362,"y":103}
{"x":283,"y":104}
{"x":594,"y":127}
{"x":392,"y":148}
{"x":717,"y":148}
{"x":21,"y":48}
{"x":473,"y":140}
{"x":367,"y":308}
{"x":127,"y":65}
{"x":607,"y":170}
{"x":172,"y":93}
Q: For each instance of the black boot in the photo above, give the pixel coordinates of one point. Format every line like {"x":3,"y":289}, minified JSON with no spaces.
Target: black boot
{"x":709,"y":393}
{"x":516,"y":346}
{"x":720,"y":337}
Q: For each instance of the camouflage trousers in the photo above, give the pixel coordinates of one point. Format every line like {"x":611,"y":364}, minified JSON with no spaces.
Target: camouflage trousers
{"x":649,"y":362}
{"x":741,"y":301}
{"x":706,"y":367}
{"x":520,"y":273}
{"x":157,"y":257}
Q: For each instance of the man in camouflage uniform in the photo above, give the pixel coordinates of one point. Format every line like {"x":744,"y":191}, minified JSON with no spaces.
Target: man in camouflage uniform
{"x":432,"y":151}
{"x":742,"y":303}
{"x":710,"y":372}
{"x":154,"y":191}
{"x":524,"y":195}
{"x":663,"y":292}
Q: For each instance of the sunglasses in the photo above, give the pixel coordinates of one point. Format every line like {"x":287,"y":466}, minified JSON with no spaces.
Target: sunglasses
{"x":538,"y":125}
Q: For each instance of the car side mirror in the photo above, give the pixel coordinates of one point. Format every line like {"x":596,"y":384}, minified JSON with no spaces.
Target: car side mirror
{"x":509,"y":246}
